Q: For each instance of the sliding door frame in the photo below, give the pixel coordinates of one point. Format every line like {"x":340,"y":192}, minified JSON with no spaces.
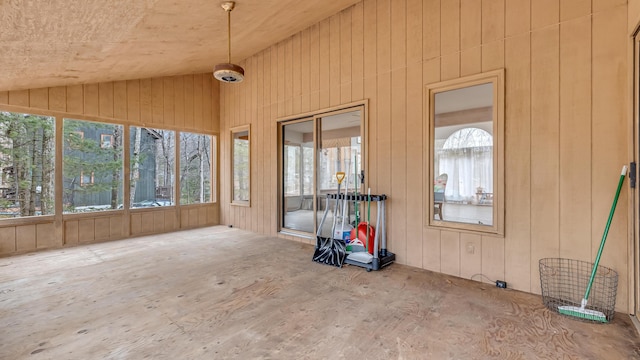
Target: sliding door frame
{"x":316,"y":117}
{"x":634,"y":200}
{"x":280,"y":182}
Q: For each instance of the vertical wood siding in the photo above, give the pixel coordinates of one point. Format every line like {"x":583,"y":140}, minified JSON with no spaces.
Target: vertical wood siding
{"x":185,"y":103}
{"x":565,"y":122}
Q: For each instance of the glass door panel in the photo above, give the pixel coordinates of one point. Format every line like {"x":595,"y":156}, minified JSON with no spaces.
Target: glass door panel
{"x":339,"y":150}
{"x":298,"y":176}
{"x":312,"y":151}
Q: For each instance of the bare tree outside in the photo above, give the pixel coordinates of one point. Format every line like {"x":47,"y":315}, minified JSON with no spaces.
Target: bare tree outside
{"x":27,"y":144}
{"x":195,"y":168}
{"x":93,"y":166}
{"x":135,"y":163}
{"x":241,"y":169}
{"x":152,"y":167}
{"x":166,"y":164}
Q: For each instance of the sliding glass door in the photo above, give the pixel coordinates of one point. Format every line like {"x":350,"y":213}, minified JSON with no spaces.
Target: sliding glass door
{"x":339,"y":150}
{"x":298,"y":175}
{"x":313,"y":150}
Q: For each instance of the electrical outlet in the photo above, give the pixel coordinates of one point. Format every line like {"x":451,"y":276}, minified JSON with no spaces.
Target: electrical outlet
{"x":501,"y":284}
{"x":470,"y":249}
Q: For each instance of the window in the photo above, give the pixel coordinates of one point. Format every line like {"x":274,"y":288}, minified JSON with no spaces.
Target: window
{"x":466,"y":162}
{"x":92,"y":172}
{"x":240,"y":163}
{"x":92,"y":166}
{"x":86,"y":178}
{"x":196,"y":168}
{"x":292,"y":170}
{"x":74,"y":138}
{"x":152,"y":167}
{"x":106,"y":141}
{"x":27,"y":158}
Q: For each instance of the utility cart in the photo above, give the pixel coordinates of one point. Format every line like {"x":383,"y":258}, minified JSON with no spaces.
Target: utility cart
{"x":381,"y":257}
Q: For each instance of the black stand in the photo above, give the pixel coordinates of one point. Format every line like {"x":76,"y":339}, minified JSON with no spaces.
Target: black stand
{"x":382,"y":257}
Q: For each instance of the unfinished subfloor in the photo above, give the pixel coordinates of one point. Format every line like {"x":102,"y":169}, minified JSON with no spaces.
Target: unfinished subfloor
{"x":220,"y":293}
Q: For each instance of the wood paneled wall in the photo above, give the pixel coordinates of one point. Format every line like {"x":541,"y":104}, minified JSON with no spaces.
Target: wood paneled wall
{"x":566,"y":122}
{"x":633,"y":25}
{"x":185,"y":103}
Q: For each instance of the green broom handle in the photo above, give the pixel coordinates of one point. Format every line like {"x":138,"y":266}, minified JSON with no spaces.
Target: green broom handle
{"x":366,"y":247}
{"x":606,"y":231}
{"x":355,"y":188}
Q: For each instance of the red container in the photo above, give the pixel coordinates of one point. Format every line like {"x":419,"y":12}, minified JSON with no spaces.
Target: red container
{"x":362,"y":235}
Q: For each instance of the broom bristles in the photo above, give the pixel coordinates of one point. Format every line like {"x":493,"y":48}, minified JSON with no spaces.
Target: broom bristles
{"x":581,"y":312}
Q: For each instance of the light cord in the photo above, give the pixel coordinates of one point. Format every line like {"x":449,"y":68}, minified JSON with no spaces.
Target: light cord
{"x":482,"y":275}
{"x":229,"y":37}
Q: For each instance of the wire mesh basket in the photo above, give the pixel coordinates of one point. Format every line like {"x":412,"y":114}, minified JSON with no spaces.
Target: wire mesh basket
{"x":564,"y":282}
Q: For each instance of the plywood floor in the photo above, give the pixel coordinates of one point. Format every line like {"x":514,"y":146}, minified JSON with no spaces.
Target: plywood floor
{"x":220,"y":293}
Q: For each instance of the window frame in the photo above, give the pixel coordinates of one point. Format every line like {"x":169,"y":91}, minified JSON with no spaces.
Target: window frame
{"x":77,"y":132}
{"x":7,"y":179}
{"x":59,"y":210}
{"x":233,"y":132}
{"x":104,"y":144}
{"x":213,"y":155}
{"x":174,"y":176}
{"x":91,"y":174}
{"x":363,"y":107}
{"x":495,"y":77}
{"x":82,"y":177}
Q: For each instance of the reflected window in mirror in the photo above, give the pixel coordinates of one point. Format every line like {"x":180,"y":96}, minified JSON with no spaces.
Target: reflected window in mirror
{"x":466,"y":153}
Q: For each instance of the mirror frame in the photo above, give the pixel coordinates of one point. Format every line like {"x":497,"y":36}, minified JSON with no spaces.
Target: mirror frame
{"x":495,"y":77}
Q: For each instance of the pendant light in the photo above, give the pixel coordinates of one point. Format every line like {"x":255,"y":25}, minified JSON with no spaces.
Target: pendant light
{"x":228,"y":72}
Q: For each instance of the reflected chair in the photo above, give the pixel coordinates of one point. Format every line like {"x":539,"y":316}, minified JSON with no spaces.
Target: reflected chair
{"x":439,"y":187}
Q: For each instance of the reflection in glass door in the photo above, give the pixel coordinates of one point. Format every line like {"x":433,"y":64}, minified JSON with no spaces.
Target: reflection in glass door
{"x":297,"y":166}
{"x":339,"y":150}
{"x":313,"y":151}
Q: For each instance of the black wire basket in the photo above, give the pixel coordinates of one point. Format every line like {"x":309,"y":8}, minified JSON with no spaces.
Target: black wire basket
{"x":564,"y":282}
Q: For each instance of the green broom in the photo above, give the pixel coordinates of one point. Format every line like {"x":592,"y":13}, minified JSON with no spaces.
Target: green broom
{"x":581,"y":312}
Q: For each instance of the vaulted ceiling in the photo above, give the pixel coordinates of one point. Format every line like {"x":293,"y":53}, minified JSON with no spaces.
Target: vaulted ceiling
{"x":61,"y":42}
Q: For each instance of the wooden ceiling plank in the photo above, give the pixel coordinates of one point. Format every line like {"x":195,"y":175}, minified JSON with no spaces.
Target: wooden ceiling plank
{"x":48,"y":45}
